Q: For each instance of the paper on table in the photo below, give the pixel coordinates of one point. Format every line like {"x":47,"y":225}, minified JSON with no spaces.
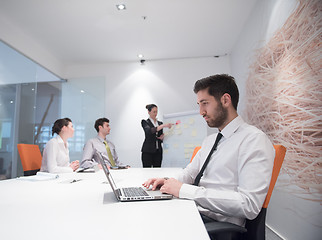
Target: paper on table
{"x":40,"y":176}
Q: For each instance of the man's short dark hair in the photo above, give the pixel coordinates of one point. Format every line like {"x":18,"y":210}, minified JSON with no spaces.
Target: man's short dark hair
{"x":100,"y":122}
{"x":218,"y":85}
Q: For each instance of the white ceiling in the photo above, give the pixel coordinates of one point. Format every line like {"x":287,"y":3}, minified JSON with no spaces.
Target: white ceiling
{"x":94,"y":31}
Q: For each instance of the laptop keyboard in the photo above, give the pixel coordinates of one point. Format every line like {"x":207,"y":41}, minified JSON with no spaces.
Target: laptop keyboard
{"x":134,"y":192}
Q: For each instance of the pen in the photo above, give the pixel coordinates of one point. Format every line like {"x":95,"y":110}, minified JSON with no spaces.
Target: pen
{"x":75,"y":180}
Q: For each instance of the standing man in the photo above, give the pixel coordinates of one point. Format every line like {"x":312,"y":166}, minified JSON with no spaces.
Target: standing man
{"x":100,"y":144}
{"x":234,"y":183}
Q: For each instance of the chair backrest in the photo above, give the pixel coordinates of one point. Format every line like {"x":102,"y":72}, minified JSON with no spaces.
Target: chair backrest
{"x":30,"y":157}
{"x":256,"y":227}
{"x":280,"y":152}
{"x":195,"y":152}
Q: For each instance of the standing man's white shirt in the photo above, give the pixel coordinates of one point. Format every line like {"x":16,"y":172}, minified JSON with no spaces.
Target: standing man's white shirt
{"x":235,"y":182}
{"x":56,"y":157}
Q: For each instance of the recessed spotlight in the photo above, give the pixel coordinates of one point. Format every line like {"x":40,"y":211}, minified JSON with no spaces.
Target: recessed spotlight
{"x":120,"y":6}
{"x":82,"y":91}
{"x":140,"y":56}
{"x":11,"y":102}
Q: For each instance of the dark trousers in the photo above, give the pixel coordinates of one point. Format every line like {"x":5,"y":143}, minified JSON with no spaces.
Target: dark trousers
{"x":152,"y":159}
{"x":221,"y":235}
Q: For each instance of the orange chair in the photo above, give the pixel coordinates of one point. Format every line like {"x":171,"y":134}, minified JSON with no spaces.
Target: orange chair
{"x":254,"y":229}
{"x":30,"y":157}
{"x":195,"y":152}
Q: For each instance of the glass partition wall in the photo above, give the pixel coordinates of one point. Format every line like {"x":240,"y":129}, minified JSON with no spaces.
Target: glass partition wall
{"x":31,"y":99}
{"x":19,"y":82}
{"x":7,"y":117}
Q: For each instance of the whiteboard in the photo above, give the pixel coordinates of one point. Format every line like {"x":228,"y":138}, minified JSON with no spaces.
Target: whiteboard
{"x":180,"y":141}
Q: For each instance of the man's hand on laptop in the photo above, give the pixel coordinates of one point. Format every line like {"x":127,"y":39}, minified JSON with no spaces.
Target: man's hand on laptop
{"x":155,"y":182}
{"x":171,"y":186}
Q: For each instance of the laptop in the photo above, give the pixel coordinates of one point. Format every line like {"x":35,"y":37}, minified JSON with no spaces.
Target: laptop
{"x":128,"y":194}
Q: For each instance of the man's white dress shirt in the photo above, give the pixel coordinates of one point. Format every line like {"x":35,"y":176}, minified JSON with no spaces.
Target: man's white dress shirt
{"x":235,"y":182}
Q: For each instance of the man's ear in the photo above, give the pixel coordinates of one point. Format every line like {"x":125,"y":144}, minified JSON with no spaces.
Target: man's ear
{"x":225,"y":100}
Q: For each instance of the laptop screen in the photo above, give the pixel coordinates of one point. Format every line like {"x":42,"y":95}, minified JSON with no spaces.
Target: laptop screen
{"x":106,"y":171}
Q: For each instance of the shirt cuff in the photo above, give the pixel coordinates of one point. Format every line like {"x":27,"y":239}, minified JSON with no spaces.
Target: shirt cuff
{"x":88,"y":164}
{"x":188,"y":191}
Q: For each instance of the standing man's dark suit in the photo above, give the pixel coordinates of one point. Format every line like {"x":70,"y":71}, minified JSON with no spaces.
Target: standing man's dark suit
{"x":151,"y":149}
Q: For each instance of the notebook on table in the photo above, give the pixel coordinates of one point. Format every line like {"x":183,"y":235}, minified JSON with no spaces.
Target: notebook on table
{"x":127,"y":194}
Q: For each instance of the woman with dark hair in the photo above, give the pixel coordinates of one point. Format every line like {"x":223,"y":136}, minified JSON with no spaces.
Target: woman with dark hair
{"x":56,"y":154}
{"x":153,"y":130}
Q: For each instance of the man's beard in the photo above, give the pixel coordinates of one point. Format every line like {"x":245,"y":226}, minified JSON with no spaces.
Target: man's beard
{"x":220,"y":117}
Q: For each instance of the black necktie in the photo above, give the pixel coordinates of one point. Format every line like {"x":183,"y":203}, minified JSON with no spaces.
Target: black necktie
{"x":197,"y":180}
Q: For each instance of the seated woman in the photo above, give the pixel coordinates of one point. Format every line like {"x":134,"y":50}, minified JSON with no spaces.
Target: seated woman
{"x":56,"y":154}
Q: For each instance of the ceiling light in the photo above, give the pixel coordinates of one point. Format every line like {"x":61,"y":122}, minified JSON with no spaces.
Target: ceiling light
{"x":120,"y":6}
{"x":82,"y":91}
{"x":140,"y":56}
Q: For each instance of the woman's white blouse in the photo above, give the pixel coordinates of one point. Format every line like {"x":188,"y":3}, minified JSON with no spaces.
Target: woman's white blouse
{"x":56,"y":157}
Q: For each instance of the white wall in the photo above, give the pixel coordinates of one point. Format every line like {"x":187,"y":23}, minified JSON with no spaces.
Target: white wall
{"x":289,"y":216}
{"x":29,"y":46}
{"x":130,"y":86}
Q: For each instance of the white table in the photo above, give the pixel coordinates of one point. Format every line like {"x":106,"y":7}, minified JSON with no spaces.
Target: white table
{"x":87,"y":209}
